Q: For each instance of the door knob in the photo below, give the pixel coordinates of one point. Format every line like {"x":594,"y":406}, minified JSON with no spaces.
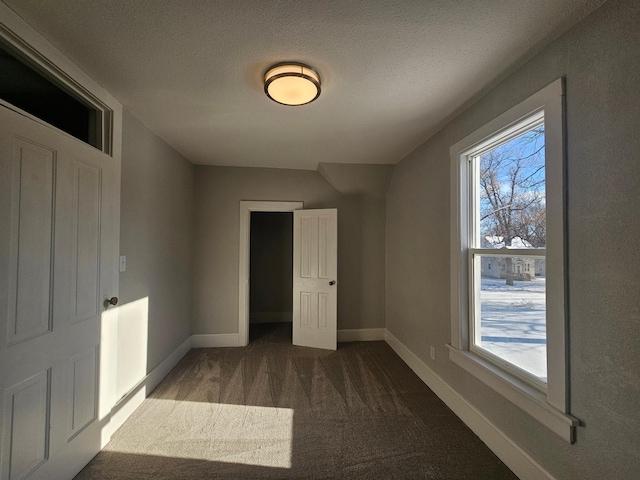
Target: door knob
{"x":111,"y":301}
{"x":332,"y":283}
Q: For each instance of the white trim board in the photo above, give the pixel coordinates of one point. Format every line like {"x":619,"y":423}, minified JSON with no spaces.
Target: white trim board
{"x":218,"y":340}
{"x":521,"y":463}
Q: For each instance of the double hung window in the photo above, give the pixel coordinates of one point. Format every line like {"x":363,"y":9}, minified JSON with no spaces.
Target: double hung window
{"x":507,"y":256}
{"x":507,"y":225}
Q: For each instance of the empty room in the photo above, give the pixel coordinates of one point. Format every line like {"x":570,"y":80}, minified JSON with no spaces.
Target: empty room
{"x":289,"y":239}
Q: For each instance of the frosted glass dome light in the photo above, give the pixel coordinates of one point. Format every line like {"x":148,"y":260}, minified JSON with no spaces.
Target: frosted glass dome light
{"x":292,"y":83}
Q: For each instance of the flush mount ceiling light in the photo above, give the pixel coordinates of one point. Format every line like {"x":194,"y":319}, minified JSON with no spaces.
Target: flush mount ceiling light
{"x":292,"y":83}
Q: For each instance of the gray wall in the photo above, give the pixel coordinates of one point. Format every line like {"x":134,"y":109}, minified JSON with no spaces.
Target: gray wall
{"x":600,"y":58}
{"x":271,"y":267}
{"x":156,"y":234}
{"x":364,"y":187}
{"x":361,"y":221}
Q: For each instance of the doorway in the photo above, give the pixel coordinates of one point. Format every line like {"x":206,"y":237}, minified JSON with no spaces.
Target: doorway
{"x":315,"y":252}
{"x":247,"y":208}
{"x":271,"y":276}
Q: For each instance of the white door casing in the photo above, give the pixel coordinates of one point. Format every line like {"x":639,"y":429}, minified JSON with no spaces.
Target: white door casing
{"x":315,"y":289}
{"x":246,"y":207}
{"x":58,"y":198}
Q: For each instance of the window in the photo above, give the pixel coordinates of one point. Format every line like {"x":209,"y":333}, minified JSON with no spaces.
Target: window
{"x":51,"y":96}
{"x":508,"y":327}
{"x":507,"y":222}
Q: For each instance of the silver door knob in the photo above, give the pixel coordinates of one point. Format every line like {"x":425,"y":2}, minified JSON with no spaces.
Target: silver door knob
{"x":111,"y":301}
{"x":332,"y":283}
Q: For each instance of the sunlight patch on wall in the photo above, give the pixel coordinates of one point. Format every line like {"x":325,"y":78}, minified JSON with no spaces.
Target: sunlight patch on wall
{"x":133,"y":327}
{"x":238,"y":434}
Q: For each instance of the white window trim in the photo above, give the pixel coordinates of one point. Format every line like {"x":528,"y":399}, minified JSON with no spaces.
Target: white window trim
{"x":551,"y":408}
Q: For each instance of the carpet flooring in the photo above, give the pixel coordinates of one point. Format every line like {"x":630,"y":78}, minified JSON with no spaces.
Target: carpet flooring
{"x":273,"y":410}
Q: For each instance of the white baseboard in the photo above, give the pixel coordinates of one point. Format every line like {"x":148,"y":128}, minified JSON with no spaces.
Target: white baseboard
{"x":511,"y":454}
{"x":214,"y":340}
{"x":132,"y":400}
{"x":361,"y":335}
{"x":231,"y":339}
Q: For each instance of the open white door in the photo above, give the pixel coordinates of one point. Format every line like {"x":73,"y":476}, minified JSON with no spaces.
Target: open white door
{"x":315,"y":286}
{"x":57,"y":198}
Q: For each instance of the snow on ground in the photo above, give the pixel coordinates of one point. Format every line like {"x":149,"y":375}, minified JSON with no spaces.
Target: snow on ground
{"x":513,"y":322}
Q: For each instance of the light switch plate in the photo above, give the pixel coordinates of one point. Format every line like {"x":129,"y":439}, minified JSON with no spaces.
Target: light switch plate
{"x":123,"y":263}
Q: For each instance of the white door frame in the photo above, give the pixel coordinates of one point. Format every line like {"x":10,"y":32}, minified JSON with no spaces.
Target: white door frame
{"x":246,"y":207}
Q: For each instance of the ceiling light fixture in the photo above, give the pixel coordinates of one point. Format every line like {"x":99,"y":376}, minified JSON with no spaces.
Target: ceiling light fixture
{"x":292,"y":83}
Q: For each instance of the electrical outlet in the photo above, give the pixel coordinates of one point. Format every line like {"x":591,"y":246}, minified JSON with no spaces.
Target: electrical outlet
{"x":433,"y":353}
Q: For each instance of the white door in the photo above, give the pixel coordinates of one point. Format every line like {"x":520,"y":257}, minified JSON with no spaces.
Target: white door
{"x":56,"y":250}
{"x":315,"y":268}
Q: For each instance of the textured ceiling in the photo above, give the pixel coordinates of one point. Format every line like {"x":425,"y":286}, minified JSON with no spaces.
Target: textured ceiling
{"x":392,"y":70}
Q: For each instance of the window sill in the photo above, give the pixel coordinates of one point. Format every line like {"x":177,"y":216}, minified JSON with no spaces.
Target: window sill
{"x":519,"y":393}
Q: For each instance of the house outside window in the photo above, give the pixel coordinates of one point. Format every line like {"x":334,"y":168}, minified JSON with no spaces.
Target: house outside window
{"x":507,"y":258}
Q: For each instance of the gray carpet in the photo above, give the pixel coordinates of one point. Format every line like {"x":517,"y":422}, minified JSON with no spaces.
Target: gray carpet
{"x":272,"y":410}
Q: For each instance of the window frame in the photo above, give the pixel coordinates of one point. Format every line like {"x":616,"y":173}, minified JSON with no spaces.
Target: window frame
{"x":475,"y":251}
{"x":474,"y":256}
{"x":104,"y":122}
{"x":550,"y":406}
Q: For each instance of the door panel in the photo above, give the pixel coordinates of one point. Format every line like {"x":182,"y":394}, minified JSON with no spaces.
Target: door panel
{"x":31,"y":241}
{"x":82,"y":394}
{"x":26,"y":428}
{"x":305,"y":247}
{"x":85,"y":269}
{"x":323,"y":310}
{"x":55,"y":271}
{"x":315,"y":291}
{"x":323,"y":243}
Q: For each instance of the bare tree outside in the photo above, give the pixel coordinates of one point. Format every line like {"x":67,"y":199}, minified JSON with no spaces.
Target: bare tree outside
{"x":512,"y":193}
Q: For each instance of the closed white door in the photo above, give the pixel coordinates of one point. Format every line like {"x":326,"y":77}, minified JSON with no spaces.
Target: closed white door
{"x":315,"y":269}
{"x":57,"y":207}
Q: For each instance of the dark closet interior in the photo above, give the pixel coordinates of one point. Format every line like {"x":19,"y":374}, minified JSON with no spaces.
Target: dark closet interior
{"x":271,"y":267}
